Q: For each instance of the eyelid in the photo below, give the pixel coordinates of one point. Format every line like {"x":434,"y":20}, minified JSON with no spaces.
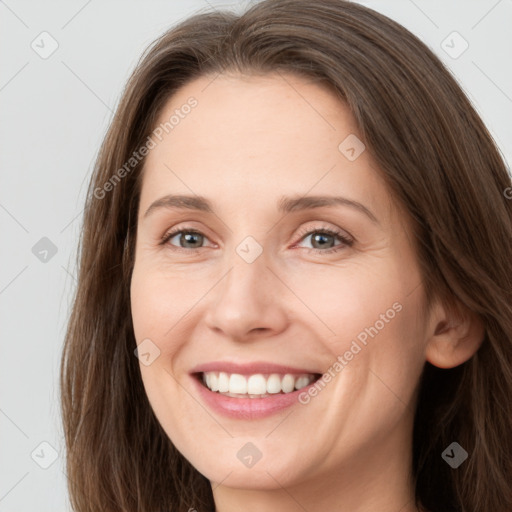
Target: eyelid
{"x":324,"y":228}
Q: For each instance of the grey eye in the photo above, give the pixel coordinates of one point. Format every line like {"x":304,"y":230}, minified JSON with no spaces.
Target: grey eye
{"x":188,"y":239}
{"x":322,"y":240}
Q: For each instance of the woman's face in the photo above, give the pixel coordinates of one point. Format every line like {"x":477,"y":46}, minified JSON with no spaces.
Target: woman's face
{"x":264,"y":281}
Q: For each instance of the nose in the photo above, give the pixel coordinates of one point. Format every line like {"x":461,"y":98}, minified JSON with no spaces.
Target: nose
{"x":249,"y":302}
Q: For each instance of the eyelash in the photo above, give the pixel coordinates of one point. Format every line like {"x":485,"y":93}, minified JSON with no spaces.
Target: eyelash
{"x":346,"y":241}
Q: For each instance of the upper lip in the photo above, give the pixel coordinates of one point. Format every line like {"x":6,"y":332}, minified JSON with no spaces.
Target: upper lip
{"x":248,"y":368}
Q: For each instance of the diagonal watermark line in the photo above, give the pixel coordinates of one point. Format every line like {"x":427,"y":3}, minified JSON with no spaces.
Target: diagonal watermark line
{"x":286,"y":491}
{"x":486,"y":14}
{"x":199,"y":403}
{"x":279,"y":73}
{"x":211,"y":81}
{"x":14,"y":423}
{"x":307,"y":192}
{"x":71,"y":221}
{"x":14,"y":218}
{"x":334,"y":334}
{"x":68,"y":478}
{"x":419,"y":284}
{"x":13,"y":13}
{"x":424,"y":13}
{"x":408,"y":503}
{"x":196,"y":195}
{"x":14,"y":76}
{"x":87,"y":86}
{"x":492,"y":81}
{"x":75,"y":15}
{"x":220,"y":483}
{"x":69,"y":273}
{"x":198,"y":301}
{"x":14,"y":486}
{"x":279,"y":424}
{"x":12,"y":280}
{"x":397,"y":397}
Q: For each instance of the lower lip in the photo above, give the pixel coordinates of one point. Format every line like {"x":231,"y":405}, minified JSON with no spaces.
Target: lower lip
{"x":248,"y":408}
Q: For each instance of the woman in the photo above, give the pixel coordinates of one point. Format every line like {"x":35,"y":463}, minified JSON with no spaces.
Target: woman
{"x":295,"y":280}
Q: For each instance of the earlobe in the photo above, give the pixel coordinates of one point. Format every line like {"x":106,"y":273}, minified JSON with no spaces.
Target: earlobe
{"x":455,"y":337}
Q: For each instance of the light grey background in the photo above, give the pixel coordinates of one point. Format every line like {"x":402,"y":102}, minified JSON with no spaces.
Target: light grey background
{"x":54,"y":113}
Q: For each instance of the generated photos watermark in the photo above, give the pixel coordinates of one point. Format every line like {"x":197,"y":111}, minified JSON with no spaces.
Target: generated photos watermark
{"x":138,"y":155}
{"x":356,"y":346}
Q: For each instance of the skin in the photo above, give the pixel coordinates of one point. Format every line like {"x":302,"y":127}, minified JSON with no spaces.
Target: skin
{"x":249,"y":141}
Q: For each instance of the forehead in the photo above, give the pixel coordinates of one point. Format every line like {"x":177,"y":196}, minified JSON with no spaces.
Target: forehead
{"x":261,"y":109}
{"x":256,"y":136}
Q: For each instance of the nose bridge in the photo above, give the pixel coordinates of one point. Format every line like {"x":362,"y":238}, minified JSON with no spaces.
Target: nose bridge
{"x":247,"y":281}
{"x":248,"y":261}
{"x":246,"y":299}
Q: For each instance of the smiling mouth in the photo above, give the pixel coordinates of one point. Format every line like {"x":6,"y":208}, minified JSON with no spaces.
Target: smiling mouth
{"x":259,"y":385}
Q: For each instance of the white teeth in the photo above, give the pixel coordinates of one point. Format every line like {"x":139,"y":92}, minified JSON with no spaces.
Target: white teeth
{"x":301,"y":382}
{"x":274,"y":384}
{"x":288,"y":383}
{"x":255,"y":386}
{"x":214,"y":381}
{"x":237,"y":384}
{"x":223,"y":383}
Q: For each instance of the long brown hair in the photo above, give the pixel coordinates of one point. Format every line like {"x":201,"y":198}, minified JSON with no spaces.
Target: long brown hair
{"x":441,"y":165}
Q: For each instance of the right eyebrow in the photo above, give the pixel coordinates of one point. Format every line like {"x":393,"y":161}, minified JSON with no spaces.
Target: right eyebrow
{"x":182,"y":202}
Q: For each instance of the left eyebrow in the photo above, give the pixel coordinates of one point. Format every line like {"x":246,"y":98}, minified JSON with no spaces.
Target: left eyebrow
{"x":290,"y":204}
{"x":285,"y":204}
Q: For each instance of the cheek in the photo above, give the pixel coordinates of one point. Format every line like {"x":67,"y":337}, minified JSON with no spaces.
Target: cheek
{"x":344,"y":300}
{"x":382,"y":353}
{"x":160,"y":301}
{"x":369,"y":315}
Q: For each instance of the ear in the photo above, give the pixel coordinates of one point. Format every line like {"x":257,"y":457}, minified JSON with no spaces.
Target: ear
{"x":455,"y":335}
